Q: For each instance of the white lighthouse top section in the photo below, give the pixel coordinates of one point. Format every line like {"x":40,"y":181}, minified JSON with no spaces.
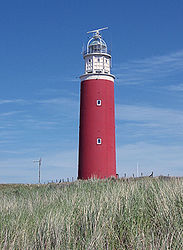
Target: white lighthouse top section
{"x":97,"y":57}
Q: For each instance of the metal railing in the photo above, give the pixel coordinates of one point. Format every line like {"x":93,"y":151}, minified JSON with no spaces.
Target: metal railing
{"x":97,"y":51}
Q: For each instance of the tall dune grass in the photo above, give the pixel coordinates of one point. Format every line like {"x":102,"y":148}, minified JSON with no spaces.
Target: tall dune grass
{"x":144,"y":213}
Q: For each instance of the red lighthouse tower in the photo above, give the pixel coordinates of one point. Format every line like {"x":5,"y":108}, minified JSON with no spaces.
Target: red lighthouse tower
{"x":97,"y":154}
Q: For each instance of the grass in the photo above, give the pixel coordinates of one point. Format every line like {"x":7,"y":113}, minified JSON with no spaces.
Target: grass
{"x":143,"y":213}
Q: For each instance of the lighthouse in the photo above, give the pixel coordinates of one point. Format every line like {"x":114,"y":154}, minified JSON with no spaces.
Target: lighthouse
{"x":97,"y":153}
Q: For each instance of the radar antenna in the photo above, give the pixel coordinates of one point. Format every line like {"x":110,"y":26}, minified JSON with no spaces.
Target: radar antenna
{"x":97,"y":31}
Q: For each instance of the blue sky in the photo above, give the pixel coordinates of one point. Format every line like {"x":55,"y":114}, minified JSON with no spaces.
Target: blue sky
{"x":40,"y":65}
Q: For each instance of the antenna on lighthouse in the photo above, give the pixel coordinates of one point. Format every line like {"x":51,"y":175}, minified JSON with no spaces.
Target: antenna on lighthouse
{"x":97,"y":31}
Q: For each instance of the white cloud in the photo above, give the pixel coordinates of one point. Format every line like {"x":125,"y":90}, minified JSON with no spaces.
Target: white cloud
{"x":7,"y":101}
{"x":10,"y":113}
{"x":161,"y":159}
{"x":160,"y":120}
{"x":58,"y":101}
{"x":149,"y":70}
{"x":175,"y":87}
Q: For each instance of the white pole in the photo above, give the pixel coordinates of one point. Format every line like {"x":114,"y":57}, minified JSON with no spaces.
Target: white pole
{"x":137,"y":169}
{"x":39,"y":169}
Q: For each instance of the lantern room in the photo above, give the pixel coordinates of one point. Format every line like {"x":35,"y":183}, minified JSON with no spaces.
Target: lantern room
{"x":96,"y":45}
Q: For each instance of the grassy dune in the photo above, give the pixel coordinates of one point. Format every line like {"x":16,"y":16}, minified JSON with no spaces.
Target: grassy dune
{"x":144,"y":213}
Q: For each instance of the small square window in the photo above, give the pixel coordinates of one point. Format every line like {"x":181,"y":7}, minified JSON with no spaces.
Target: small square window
{"x":99,"y":141}
{"x":99,"y":102}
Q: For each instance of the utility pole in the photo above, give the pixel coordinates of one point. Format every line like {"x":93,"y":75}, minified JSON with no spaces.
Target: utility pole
{"x":39,"y":168}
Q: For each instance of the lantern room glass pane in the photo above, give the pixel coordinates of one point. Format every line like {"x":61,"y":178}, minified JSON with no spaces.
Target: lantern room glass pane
{"x":97,"y":45}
